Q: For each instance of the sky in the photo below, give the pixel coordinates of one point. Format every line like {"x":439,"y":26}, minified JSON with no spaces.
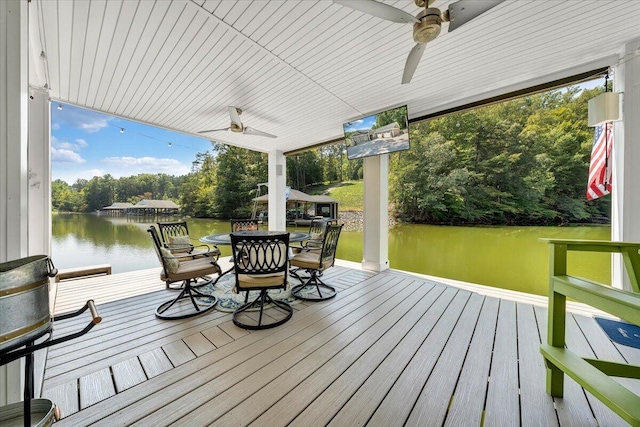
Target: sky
{"x":85,"y":143}
{"x":361,"y":124}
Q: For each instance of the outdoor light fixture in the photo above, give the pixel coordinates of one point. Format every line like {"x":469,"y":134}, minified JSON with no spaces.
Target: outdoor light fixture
{"x":604,"y":107}
{"x":169,"y":145}
{"x":121,"y":130}
{"x":59,"y":106}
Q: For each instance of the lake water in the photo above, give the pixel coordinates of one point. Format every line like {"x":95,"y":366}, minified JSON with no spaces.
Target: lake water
{"x":504,"y":257}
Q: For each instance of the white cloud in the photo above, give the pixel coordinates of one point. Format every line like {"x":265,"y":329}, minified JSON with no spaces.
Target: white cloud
{"x":79,"y":118}
{"x":126,"y":166}
{"x":63,"y":155}
{"x":71,"y":176}
{"x":93,"y":126}
{"x":66,"y":145}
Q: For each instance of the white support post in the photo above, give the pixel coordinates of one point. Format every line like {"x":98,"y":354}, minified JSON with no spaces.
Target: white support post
{"x":625,"y":195}
{"x":39,"y":226}
{"x":14,"y":193}
{"x":277,"y":190}
{"x":376,"y":213}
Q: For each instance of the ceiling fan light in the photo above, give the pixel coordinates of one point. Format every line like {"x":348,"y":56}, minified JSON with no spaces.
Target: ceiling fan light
{"x":429,"y":26}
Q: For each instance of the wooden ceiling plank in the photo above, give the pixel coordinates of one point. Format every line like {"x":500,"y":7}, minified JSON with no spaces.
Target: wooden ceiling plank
{"x":152,"y":26}
{"x":199,"y":91}
{"x":124,"y":27}
{"x":91,"y":42}
{"x":264,"y":16}
{"x":169,"y":61}
{"x":196,"y":70}
{"x":251,"y":12}
{"x":169,"y":34}
{"x":102,"y":58}
{"x":277,"y":23}
{"x":223,"y":8}
{"x":211,"y":5}
{"x":64,"y":52}
{"x":143,"y":13}
{"x":237,"y":11}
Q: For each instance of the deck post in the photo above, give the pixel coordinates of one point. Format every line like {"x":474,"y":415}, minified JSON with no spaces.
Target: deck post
{"x":277,"y":190}
{"x":557,"y":317}
{"x":625,"y":193}
{"x":375,"y":248}
{"x":14,"y":121}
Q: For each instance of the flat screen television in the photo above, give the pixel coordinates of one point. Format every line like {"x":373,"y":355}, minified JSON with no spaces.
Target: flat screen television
{"x":379,"y":133}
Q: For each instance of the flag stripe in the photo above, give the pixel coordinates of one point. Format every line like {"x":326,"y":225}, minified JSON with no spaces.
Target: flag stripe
{"x":599,"y":182}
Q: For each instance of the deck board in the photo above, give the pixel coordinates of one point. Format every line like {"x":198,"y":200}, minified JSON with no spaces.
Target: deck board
{"x":577,"y":342}
{"x":198,"y":344}
{"x":435,"y":397}
{"x":392,"y":348}
{"x":502,"y":407}
{"x":128,"y":373}
{"x":467,"y":405}
{"x":399,"y":402}
{"x":537,"y":408}
{"x":96,"y":387}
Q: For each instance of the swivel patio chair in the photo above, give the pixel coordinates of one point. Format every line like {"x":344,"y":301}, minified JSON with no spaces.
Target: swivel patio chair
{"x":244,"y":225}
{"x":185,"y":268}
{"x":316,"y":234}
{"x":314,"y":262}
{"x":175,"y":237}
{"x":261,"y":264}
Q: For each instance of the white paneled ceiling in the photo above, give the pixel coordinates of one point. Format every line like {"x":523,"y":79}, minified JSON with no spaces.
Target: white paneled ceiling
{"x":299,"y":69}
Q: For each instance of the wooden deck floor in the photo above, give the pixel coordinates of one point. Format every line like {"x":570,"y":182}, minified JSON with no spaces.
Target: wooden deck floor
{"x":391,"y":349}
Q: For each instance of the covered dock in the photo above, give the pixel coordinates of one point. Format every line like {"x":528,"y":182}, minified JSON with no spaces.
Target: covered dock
{"x":154,"y":207}
{"x":299,"y":204}
{"x":117,"y":208}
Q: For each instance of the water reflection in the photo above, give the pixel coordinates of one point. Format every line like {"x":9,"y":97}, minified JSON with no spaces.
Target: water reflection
{"x":506,"y":257}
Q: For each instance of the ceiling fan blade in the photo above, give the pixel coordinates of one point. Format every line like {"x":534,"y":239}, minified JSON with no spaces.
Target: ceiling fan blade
{"x":252,"y":131}
{"x":212,"y":130}
{"x":464,"y":11}
{"x":412,"y":62}
{"x":380,"y":10}
{"x":235,"y":117}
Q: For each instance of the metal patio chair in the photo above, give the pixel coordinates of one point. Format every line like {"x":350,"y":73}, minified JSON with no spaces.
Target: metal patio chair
{"x":314,"y":262}
{"x":187,"y":269}
{"x":261,"y":264}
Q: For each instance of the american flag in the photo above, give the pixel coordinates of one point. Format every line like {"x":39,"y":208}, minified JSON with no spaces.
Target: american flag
{"x":600,"y":168}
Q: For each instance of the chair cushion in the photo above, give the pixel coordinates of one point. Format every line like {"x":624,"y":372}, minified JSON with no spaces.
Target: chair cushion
{"x":191,"y":268}
{"x":306,"y":260}
{"x":315,"y":241}
{"x":251,"y":281}
{"x":171,"y":262}
{"x":179,"y":243}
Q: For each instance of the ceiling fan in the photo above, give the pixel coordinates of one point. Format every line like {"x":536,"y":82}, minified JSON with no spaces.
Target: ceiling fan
{"x":426,"y":24}
{"x":237,"y":126}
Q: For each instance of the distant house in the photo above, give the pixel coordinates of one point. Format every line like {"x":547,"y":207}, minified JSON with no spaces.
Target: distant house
{"x":360,"y":136}
{"x":155,"y":207}
{"x":387,"y":131}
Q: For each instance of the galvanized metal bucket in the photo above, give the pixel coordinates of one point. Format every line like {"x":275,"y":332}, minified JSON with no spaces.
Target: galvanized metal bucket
{"x":42,"y":413}
{"x":24,"y":300}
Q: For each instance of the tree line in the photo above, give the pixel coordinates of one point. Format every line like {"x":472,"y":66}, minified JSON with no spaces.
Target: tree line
{"x":523,"y":161}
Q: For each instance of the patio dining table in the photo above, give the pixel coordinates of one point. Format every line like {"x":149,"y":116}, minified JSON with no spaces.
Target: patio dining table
{"x":225,"y":239}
